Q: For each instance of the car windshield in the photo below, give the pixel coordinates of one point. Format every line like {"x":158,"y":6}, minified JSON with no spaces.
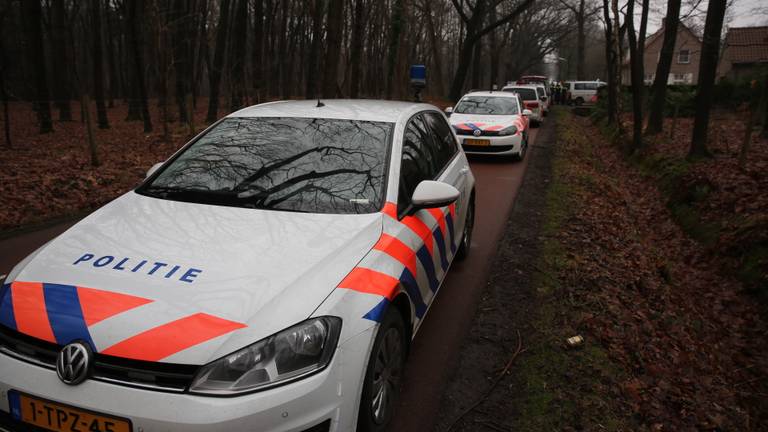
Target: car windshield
{"x":526,"y":93}
{"x":487,"y":105}
{"x":295,"y":164}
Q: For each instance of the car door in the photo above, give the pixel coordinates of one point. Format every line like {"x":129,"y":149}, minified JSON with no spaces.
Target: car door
{"x":430,"y":233}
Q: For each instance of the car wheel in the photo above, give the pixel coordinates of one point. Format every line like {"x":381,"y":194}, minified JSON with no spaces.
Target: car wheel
{"x":381,"y":387}
{"x":523,"y":150}
{"x":579,"y":101}
{"x":466,"y":238}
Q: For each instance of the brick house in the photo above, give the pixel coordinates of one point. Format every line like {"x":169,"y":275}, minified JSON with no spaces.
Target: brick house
{"x":745,"y":53}
{"x":685,"y":61}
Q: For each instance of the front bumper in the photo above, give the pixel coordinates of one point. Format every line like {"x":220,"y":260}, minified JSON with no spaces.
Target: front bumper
{"x":332,"y":394}
{"x":500,"y":145}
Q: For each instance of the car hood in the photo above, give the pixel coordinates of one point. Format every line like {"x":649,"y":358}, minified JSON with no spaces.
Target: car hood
{"x":223,"y":278}
{"x":484,"y":122}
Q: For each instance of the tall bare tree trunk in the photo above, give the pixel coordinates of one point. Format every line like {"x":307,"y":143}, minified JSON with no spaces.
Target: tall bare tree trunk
{"x":396,"y":30}
{"x":707,"y":68}
{"x":581,"y":41}
{"x":258,"y":48}
{"x":313,"y":68}
{"x":611,"y":62}
{"x":61,"y":88}
{"x":237,"y":63}
{"x":356,"y":51}
{"x":214,"y":77}
{"x":636,"y":51}
{"x":98,"y":65}
{"x":659,"y":88}
{"x":135,"y":20}
{"x":32,"y":15}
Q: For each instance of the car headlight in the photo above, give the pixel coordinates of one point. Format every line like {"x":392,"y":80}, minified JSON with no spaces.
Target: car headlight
{"x":511,"y":130}
{"x":285,"y":356}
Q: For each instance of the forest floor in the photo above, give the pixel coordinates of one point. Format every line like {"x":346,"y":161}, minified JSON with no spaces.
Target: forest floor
{"x":594,"y":247}
{"x":50,"y":176}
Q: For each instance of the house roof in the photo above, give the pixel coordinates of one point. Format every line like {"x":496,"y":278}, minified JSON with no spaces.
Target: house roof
{"x":747,"y":44}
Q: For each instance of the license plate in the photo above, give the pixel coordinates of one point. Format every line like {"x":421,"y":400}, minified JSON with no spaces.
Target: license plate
{"x":477,"y":142}
{"x":62,"y":418}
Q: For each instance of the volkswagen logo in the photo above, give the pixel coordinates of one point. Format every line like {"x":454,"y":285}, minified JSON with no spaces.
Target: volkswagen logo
{"x":477,"y":132}
{"x":74,"y":363}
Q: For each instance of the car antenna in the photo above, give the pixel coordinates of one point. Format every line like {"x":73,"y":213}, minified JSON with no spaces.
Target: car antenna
{"x":319,"y":104}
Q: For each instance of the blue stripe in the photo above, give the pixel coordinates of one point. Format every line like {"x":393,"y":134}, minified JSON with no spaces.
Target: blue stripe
{"x":14,"y":403}
{"x":429,"y":266}
{"x":449,"y":222}
{"x":441,"y":245}
{"x":65,"y":314}
{"x":377,"y":313}
{"x":7,"y":318}
{"x":412,"y":287}
{"x":472,"y":126}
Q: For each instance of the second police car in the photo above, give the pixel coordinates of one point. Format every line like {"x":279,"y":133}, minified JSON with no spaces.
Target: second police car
{"x":491,"y":123}
{"x":269,"y":276}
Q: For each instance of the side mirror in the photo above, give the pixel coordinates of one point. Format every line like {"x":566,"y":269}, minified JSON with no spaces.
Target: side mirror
{"x":153,"y":169}
{"x":448,"y":111}
{"x":432,"y":194}
{"x":527,"y":112}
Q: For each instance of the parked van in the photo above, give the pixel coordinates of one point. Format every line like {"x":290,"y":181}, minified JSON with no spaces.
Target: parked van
{"x":580,"y":92}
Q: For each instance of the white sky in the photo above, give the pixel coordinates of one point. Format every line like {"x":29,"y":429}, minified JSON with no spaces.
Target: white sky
{"x":741,"y":13}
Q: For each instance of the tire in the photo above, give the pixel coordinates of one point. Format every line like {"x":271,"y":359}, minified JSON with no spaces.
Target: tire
{"x":466,"y":237}
{"x":384,"y":373}
{"x":523,"y":150}
{"x":579,"y":101}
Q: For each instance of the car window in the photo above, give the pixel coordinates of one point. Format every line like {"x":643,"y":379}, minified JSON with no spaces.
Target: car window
{"x":487,"y":105}
{"x":294,"y":164}
{"x":526,"y":93}
{"x":443,"y":137}
{"x":579,"y":86}
{"x":540,"y":91}
{"x":592,"y":86}
{"x":418,"y":163}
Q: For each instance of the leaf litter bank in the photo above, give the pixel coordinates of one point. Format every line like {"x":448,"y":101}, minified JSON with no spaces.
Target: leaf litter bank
{"x":672,"y":343}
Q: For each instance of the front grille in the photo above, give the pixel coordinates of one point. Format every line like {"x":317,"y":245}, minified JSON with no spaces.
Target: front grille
{"x":322,"y":427}
{"x":134,"y":373}
{"x":482,"y":133}
{"x":487,"y":149}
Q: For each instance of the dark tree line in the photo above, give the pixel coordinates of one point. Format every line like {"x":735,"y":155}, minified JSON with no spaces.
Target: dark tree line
{"x":240,"y":52}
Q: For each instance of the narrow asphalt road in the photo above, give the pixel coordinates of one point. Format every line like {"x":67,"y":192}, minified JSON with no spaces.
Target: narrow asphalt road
{"x":434,"y":351}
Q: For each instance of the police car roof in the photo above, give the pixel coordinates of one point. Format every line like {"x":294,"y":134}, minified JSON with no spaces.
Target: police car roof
{"x":492,"y":93}
{"x":347,"y":109}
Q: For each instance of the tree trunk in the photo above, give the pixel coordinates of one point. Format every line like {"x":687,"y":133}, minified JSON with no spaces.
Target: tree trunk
{"x":610,"y":63}
{"x":707,"y":68}
{"x":659,"y":88}
{"x":32,"y":15}
{"x":356,"y":51}
{"x":135,"y":18}
{"x":258,"y":48}
{"x":214,"y":77}
{"x":61,"y":89}
{"x":749,"y":118}
{"x":333,"y":47}
{"x":313,"y":68}
{"x":581,"y":41}
{"x":98,"y":65}
{"x":86,"y":102}
{"x":4,"y":95}
{"x":617,"y":42}
{"x":477,"y":61}
{"x":397,"y":24}
{"x":282,"y":42}
{"x":436,"y":46}
{"x":132,"y":80}
{"x":637,"y":74}
{"x":180,"y":46}
{"x":237,"y":62}
{"x":494,"y":54}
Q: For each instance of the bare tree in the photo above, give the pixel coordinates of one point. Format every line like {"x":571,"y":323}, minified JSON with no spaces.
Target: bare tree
{"x":659,"y":88}
{"x":32,"y":15}
{"x":214,"y":76}
{"x":707,"y":68}
{"x":98,"y":65}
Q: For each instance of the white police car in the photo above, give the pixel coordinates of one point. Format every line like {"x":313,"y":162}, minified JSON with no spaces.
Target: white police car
{"x":269,"y":276}
{"x":491,"y":123}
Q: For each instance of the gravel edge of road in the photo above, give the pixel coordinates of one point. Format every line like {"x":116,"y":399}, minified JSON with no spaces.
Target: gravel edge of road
{"x":493,"y":339}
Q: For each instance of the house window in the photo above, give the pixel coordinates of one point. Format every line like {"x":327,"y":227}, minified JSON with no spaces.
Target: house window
{"x":684,"y":56}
